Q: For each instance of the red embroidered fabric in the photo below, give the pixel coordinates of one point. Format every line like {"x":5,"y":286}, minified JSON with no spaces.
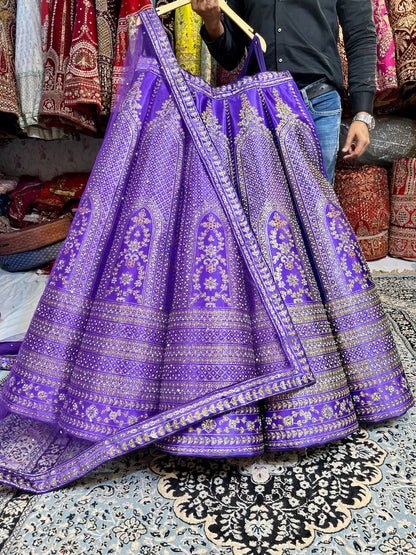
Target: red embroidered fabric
{"x":58,"y":21}
{"x":402,"y":241}
{"x":364,"y":196}
{"x":82,"y":83}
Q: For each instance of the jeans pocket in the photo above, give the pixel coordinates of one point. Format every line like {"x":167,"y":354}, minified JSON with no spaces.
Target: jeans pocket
{"x":328,"y":104}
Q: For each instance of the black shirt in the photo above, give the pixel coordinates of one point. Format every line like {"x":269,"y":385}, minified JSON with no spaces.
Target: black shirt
{"x":301,"y":37}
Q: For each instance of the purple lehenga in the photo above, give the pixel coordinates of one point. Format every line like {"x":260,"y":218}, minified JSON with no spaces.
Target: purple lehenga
{"x":210,"y":297}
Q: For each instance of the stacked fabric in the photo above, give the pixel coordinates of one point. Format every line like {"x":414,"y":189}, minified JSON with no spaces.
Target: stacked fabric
{"x":402,"y":241}
{"x":36,"y":219}
{"x":364,"y":196}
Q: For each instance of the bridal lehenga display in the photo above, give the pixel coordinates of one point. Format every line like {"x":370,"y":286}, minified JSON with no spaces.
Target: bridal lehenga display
{"x":210,"y":298}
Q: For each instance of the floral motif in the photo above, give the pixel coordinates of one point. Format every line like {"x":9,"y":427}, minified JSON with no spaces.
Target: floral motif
{"x":72,"y":245}
{"x":352,"y":260}
{"x":210,"y":276}
{"x":284,"y":112}
{"x":287,"y":265}
{"x":131,"y":530}
{"x":398,"y":546}
{"x":91,"y":412}
{"x":129,"y":272}
{"x":131,"y":103}
{"x":258,"y":510}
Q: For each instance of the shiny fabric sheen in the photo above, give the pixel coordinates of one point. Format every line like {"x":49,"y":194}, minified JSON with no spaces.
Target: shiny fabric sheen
{"x":210,"y":297}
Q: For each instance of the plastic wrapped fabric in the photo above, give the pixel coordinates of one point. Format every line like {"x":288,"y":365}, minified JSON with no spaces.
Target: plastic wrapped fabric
{"x":392,"y":138}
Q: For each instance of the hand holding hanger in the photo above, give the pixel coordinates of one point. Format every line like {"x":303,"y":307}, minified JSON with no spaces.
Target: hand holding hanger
{"x":224,"y":8}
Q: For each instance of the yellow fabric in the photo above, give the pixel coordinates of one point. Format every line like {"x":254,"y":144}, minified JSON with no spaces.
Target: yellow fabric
{"x":188,"y":39}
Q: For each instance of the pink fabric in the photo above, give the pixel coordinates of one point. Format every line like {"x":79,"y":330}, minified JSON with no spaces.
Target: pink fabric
{"x":387,"y":94}
{"x":386,"y":75}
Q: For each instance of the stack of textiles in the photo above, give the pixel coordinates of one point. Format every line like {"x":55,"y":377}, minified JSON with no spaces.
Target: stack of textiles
{"x":37,"y":219}
{"x":402,"y":241}
{"x":364,"y":196}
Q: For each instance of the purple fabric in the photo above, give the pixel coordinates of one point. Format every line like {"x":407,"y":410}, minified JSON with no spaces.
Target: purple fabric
{"x":210,"y":297}
{"x":9,"y":347}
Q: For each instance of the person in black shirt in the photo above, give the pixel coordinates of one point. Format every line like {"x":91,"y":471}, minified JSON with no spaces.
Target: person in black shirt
{"x":301,"y":37}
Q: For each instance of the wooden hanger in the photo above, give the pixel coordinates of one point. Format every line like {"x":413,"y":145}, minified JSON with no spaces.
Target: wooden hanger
{"x":161,"y":10}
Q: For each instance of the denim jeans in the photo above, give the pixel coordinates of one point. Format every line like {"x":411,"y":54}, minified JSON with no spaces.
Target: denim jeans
{"x":326,"y":113}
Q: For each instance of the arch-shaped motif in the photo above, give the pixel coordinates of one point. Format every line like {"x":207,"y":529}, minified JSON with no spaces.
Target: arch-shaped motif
{"x":210,"y":273}
{"x":347,"y":249}
{"x":129,"y":272}
{"x":287,"y":265}
{"x":71,"y":248}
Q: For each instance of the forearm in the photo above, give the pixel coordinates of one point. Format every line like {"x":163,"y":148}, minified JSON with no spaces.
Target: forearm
{"x":224,"y":40}
{"x":227,"y":48}
{"x":356,"y":18}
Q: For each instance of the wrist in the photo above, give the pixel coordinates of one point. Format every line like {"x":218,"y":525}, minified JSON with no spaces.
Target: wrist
{"x":214,"y":28}
{"x":366,"y":118}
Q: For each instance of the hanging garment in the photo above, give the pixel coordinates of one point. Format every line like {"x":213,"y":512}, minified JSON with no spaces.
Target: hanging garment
{"x":363,"y":193}
{"x":106,"y":11}
{"x":59,"y":17}
{"x":168,"y":22}
{"x":29,"y":70}
{"x":210,"y":297}
{"x":82,"y":83}
{"x":9,"y":109}
{"x":208,"y":66}
{"x":28,"y":61}
{"x":129,"y":10}
{"x":402,"y":241}
{"x":402,"y":15}
{"x":188,"y":40}
{"x":386,"y":75}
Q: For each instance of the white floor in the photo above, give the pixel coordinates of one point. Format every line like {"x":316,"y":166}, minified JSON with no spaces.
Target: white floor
{"x":21,"y":291}
{"x":19,"y":295}
{"x":392,"y":265}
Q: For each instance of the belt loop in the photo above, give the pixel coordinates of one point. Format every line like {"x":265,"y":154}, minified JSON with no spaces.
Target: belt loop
{"x":304,"y":95}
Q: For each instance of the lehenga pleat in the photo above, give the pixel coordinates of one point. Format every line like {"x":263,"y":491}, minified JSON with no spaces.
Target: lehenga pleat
{"x":210,"y":297}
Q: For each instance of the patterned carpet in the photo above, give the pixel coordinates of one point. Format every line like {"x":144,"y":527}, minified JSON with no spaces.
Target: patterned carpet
{"x":356,"y":496}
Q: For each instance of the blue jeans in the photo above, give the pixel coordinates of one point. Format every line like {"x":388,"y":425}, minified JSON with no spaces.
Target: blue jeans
{"x":326,"y":114}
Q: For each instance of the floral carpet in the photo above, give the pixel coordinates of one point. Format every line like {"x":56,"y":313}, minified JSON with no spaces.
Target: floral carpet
{"x":354,"y":496}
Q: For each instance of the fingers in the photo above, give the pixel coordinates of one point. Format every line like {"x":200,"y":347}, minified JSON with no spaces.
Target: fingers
{"x":210,"y":12}
{"x":205,"y":8}
{"x":358,"y":139}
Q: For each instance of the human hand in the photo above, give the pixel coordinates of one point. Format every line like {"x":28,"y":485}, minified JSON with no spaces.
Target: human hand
{"x":210,"y":12}
{"x":357,"y":141}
